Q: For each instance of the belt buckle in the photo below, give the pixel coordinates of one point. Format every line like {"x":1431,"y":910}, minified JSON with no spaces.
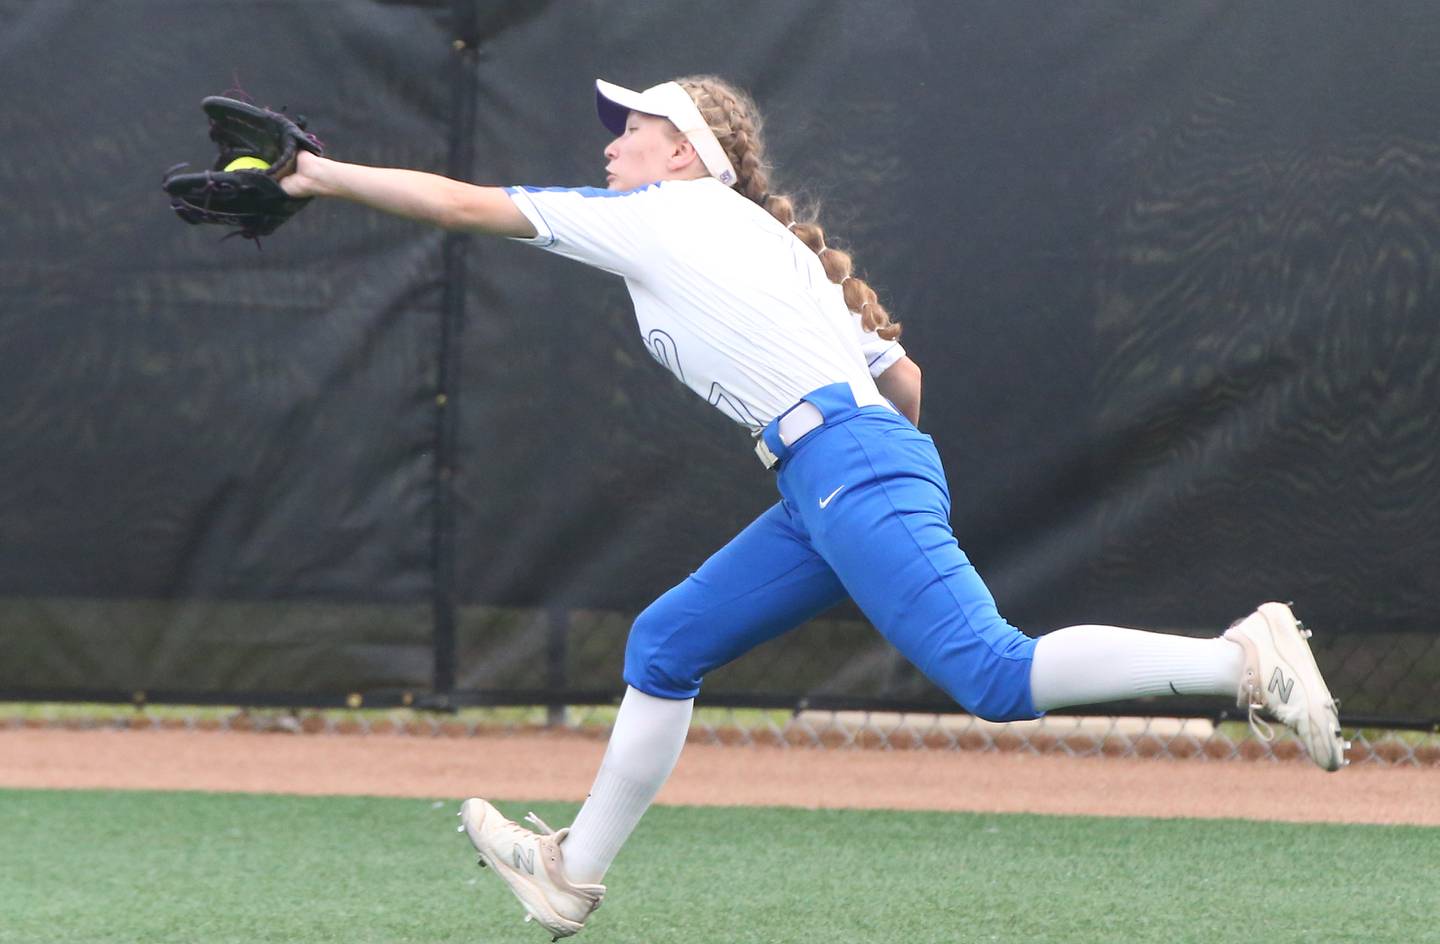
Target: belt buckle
{"x":767,"y":457}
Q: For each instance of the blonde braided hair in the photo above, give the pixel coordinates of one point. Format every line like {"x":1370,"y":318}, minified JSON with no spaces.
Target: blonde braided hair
{"x":732,"y":115}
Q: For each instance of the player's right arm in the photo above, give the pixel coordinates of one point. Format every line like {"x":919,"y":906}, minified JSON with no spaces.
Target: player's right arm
{"x":900,"y":384}
{"x":428,"y":198}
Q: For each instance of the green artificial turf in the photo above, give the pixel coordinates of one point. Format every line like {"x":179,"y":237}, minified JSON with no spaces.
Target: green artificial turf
{"x":100,"y":866}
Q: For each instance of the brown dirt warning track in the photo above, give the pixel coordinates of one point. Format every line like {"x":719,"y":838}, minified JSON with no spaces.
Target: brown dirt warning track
{"x":559,"y":766}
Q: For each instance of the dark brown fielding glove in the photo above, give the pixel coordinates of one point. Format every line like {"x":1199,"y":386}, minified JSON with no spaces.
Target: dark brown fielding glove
{"x":252,"y":201}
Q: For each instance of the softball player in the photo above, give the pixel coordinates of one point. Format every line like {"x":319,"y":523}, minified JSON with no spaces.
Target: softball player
{"x":749,"y":308}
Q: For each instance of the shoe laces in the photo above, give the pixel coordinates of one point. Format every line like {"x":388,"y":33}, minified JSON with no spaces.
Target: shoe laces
{"x":1254,"y":697}
{"x":1255,"y":703}
{"x":519,"y":833}
{"x":539,"y":824}
{"x":1259,"y":725}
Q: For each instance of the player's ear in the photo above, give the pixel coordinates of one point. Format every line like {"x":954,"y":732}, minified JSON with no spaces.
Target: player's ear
{"x":683,"y":155}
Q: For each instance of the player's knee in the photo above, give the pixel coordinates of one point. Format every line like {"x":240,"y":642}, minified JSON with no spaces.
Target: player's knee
{"x":654,"y":665}
{"x":991,"y":680}
{"x":1013,"y":703}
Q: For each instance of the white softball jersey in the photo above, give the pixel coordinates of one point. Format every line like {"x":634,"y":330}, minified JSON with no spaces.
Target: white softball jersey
{"x":726,"y":298}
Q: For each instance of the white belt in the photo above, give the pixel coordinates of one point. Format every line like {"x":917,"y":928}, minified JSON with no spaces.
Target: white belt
{"x":804,"y":418}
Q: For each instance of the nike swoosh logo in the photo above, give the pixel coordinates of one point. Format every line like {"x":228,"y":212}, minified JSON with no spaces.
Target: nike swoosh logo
{"x":826,"y":500}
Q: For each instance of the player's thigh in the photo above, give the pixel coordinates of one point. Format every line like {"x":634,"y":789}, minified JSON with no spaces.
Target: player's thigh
{"x":766,"y":581}
{"x":887,"y":536}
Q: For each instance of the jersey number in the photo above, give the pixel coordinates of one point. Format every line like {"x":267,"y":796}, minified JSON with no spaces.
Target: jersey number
{"x":662,"y":348}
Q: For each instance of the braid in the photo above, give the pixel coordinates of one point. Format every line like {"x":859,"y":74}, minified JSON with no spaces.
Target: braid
{"x":736,"y":122}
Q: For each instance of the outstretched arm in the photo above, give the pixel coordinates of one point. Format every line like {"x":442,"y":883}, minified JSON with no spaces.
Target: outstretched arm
{"x":900,"y":384}
{"x":429,"y":198}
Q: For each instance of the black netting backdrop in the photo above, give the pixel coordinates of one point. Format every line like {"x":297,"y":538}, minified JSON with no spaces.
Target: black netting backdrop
{"x":1170,"y":271}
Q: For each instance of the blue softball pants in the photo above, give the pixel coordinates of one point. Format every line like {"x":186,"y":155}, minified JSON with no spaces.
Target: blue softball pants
{"x":864,"y":511}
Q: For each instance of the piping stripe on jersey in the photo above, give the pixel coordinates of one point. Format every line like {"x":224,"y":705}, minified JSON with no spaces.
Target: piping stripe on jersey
{"x":882,"y":354}
{"x":584,"y":191}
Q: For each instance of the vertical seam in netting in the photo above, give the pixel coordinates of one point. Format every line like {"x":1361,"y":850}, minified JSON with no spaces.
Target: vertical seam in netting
{"x":464,"y":29}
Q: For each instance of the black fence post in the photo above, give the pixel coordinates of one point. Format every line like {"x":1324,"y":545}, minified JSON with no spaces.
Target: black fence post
{"x":557,"y":644}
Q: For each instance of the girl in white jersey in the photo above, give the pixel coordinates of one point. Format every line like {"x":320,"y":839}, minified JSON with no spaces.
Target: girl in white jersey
{"x":751,"y":310}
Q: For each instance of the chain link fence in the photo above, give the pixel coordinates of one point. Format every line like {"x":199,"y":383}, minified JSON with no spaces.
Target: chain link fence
{"x":1176,"y":739}
{"x":522,"y":670}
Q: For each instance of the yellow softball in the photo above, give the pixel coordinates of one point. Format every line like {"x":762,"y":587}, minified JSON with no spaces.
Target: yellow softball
{"x":246,"y":163}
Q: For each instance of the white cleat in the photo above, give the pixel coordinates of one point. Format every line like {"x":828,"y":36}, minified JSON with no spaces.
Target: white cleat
{"x":1282,"y":680}
{"x":532,"y":865}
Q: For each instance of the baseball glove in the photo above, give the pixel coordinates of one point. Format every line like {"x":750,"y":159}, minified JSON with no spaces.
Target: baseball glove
{"x":249,"y":198}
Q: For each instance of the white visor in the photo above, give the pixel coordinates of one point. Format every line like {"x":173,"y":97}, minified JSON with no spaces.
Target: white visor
{"x":666,"y":100}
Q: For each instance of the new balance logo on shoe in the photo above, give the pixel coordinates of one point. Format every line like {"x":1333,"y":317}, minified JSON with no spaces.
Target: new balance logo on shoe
{"x":1280,"y":687}
{"x":524,"y":859}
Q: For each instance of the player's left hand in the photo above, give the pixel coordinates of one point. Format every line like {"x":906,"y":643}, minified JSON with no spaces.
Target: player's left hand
{"x":258,"y":148}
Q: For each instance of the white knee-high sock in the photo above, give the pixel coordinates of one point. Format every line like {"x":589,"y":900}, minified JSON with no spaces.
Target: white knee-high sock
{"x":1085,"y":665}
{"x":644,"y":746}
